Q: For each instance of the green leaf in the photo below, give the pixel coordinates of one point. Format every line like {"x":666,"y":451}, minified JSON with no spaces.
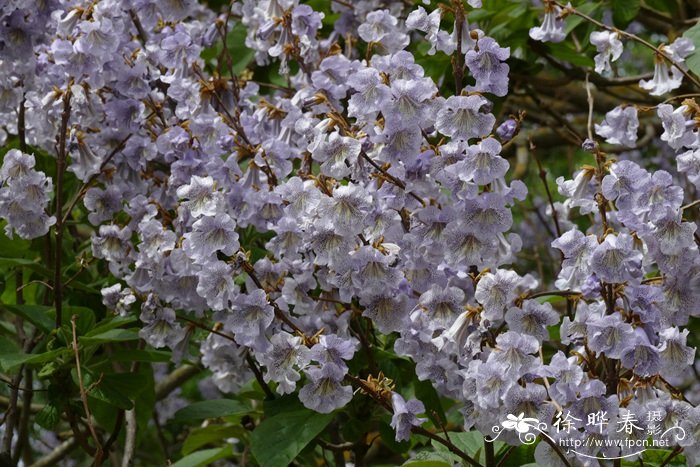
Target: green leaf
{"x":587,"y":8}
{"x":38,"y":315}
{"x":110,"y":323}
{"x":204,"y":457}
{"x":624,"y":11}
{"x":280,"y":438}
{"x":84,"y":322}
{"x":240,"y":54}
{"x":565,"y":52}
{"x":210,"y":409}
{"x":202,"y":436}
{"x":9,"y":362}
{"x":693,"y":61}
{"x":432,"y":459}
{"x":471,"y":442}
{"x":138,"y":355}
{"x":48,"y":417}
{"x":425,"y":392}
{"x":103,"y":390}
{"x":428,"y":463}
{"x":113,"y":335}
{"x":29,"y":264}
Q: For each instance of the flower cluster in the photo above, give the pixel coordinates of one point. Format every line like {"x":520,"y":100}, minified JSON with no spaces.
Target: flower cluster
{"x":24,"y":196}
{"x":381,"y":200}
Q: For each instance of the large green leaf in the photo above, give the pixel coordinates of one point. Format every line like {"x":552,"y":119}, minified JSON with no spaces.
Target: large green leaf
{"x":211,"y":409}
{"x":204,"y":457}
{"x":280,"y":438}
{"x":624,"y":11}
{"x":38,"y":315}
{"x":693,"y":61}
{"x":11,"y":361}
{"x":110,"y":323}
{"x":470,"y":442}
{"x":202,"y":436}
{"x":101,"y":388}
{"x":113,"y":335}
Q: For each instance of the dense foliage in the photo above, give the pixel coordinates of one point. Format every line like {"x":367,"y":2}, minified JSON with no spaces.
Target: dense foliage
{"x":335,"y":232}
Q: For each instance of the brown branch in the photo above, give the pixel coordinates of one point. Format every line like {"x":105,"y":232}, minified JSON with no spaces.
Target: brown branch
{"x":175,"y":379}
{"x":99,"y":453}
{"x":458,"y":56}
{"x":543,"y":176}
{"x":83,"y":189}
{"x":59,"y":452}
{"x":269,"y":395}
{"x":415,"y":429}
{"x":60,"y":169}
{"x":628,"y":35}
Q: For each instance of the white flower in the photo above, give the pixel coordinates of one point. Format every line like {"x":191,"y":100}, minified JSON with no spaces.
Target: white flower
{"x":609,"y":49}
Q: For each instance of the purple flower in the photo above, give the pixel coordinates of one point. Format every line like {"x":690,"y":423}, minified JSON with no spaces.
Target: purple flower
{"x":624,"y":182}
{"x":514,"y":351}
{"x":610,"y":335}
{"x":482,"y":164}
{"x":663,"y":81}
{"x":616,"y":260}
{"x":371,"y":93}
{"x":333,"y":350}
{"x":337,"y":155}
{"x":507,"y":129}
{"x":677,"y":126}
{"x":496,"y":292}
{"x":532,"y":319}
{"x":460,"y":117}
{"x":576,"y":248}
{"x":620,"y":126}
{"x":675,"y":355}
{"x":288,"y":354}
{"x":324,"y":393}
{"x":405,"y":416}
{"x":250,"y":316}
{"x":487,"y":64}
{"x":209,"y":235}
{"x":409,"y":103}
{"x":640,"y":356}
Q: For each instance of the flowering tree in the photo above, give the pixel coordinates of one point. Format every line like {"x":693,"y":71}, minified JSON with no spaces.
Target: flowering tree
{"x":329,"y":231}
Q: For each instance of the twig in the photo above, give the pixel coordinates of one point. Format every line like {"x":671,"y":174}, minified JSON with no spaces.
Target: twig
{"x":83,"y":395}
{"x":143,"y":36}
{"x":416,"y":429}
{"x":628,"y":35}
{"x":543,"y":176}
{"x":269,"y":395}
{"x":175,"y":379}
{"x":279,"y":313}
{"x":489,"y":455}
{"x":589,"y":95}
{"x":60,"y":169}
{"x":505,"y":456}
{"x":130,"y":441}
{"x":59,"y":452}
{"x":448,"y":444}
{"x":690,"y":205}
{"x":33,"y":408}
{"x":458,"y":56}
{"x":673,"y":454}
{"x":547,"y":293}
{"x":23,"y":431}
{"x":556,"y":449}
{"x":391,"y":178}
{"x":83,"y":188}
